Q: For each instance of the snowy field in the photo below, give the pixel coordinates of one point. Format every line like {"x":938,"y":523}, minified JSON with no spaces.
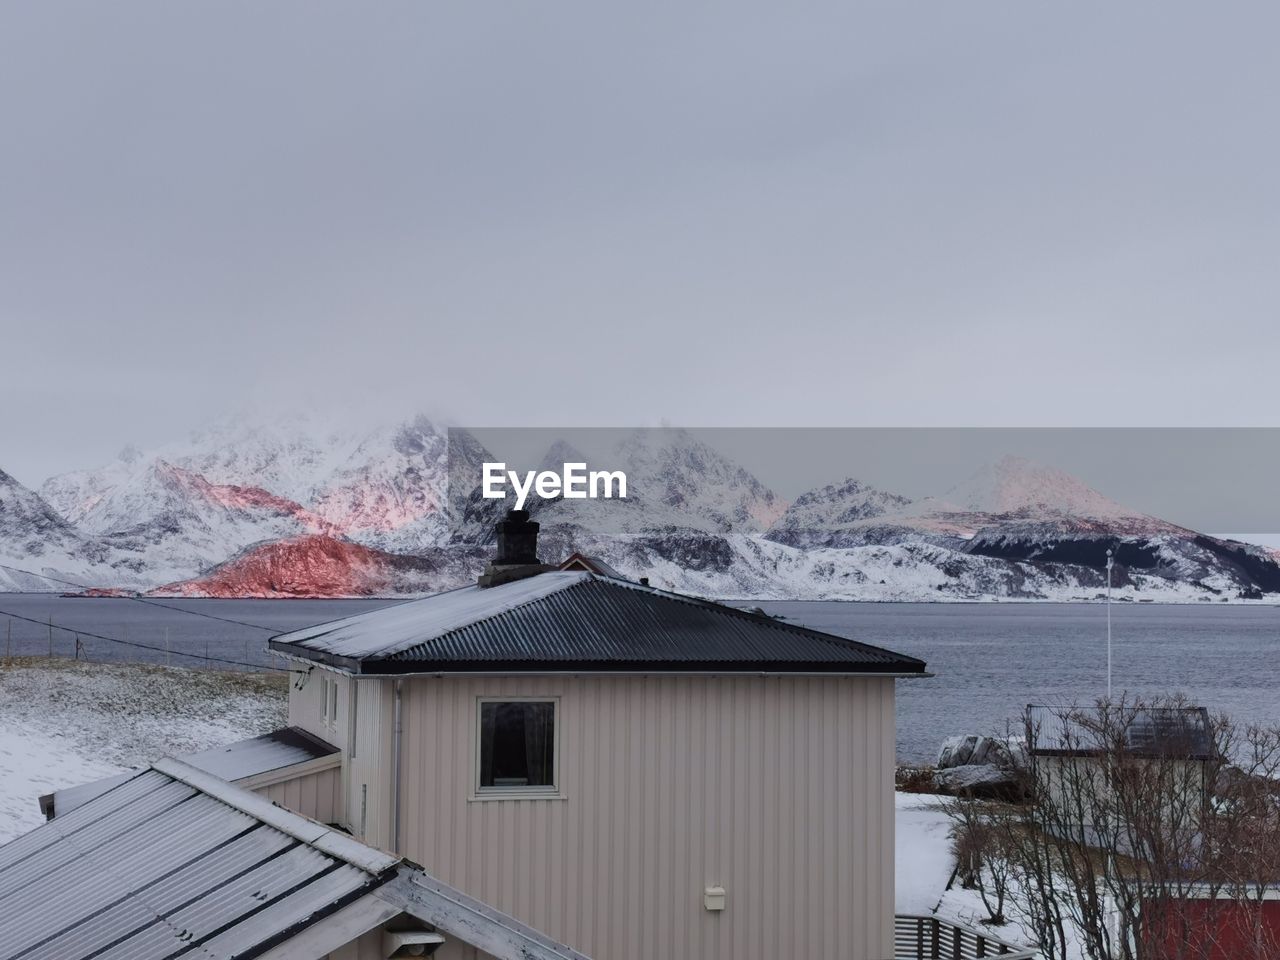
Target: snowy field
{"x":64,"y":722}
{"x":924,"y":864}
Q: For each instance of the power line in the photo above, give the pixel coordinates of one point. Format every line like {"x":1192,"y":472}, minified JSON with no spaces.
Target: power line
{"x":146,"y":600}
{"x":127,"y":643}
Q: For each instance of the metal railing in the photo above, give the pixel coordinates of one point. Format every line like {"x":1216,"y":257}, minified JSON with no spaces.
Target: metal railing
{"x":930,"y":938}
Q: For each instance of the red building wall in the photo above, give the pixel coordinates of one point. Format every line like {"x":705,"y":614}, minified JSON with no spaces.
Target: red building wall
{"x":1220,"y":930}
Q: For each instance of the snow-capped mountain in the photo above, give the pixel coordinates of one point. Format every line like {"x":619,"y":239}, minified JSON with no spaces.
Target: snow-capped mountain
{"x":671,"y":471}
{"x":737,"y":566}
{"x":169,"y":522}
{"x":292,"y":507}
{"x":321,"y":566}
{"x":1016,"y":486}
{"x":290,"y":456}
{"x":1021,"y":512}
{"x":389,"y":491}
{"x":34,"y":537}
{"x":190,"y":505}
{"x":834,"y":515}
{"x":675,"y":484}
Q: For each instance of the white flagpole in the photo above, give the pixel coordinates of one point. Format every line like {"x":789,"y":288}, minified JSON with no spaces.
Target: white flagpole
{"x":1109,"y":562}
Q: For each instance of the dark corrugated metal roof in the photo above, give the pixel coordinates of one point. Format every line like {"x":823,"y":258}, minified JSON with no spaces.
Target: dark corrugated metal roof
{"x":158,"y":867}
{"x":582,"y":622}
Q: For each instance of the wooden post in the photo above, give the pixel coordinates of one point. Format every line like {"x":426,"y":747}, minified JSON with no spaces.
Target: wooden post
{"x":8,"y":642}
{"x":51,"y":635}
{"x":168,"y":660}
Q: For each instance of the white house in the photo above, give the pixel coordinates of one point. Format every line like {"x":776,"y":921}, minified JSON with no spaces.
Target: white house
{"x":635,"y":772}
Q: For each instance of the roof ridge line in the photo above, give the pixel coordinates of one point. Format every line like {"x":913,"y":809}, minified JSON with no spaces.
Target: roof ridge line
{"x":313,"y":833}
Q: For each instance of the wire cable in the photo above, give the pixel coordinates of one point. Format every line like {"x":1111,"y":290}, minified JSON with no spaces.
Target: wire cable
{"x":132,"y":643}
{"x":147,"y":600}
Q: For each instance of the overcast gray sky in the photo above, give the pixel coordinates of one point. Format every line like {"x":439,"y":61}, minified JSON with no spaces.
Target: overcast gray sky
{"x":901,"y":213}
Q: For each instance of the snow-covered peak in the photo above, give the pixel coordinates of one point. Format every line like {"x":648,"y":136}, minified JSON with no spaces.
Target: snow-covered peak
{"x":24,"y":513}
{"x":670,"y":468}
{"x":1015,"y":486}
{"x":559,"y":453}
{"x":33,"y":537}
{"x":830,"y":515}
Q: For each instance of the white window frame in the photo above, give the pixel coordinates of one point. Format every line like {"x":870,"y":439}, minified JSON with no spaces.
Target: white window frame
{"x":553,"y":792}
{"x":329,"y":702}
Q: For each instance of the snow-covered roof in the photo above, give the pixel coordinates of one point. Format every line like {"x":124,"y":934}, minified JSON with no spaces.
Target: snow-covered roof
{"x":391,"y":630}
{"x":579,"y":621}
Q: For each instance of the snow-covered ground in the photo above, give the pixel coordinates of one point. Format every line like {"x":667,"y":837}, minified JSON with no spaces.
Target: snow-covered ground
{"x":923,"y":856}
{"x":64,"y":722}
{"x":924,"y":864}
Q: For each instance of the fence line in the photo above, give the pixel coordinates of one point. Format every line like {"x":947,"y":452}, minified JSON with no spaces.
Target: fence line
{"x":930,"y":938}
{"x":79,"y":646}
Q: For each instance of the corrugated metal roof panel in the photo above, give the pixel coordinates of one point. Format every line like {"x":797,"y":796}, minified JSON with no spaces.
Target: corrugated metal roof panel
{"x":120,"y":922}
{"x":579,"y":621}
{"x":234,"y":761}
{"x":137,"y":786}
{"x":209,"y":870}
{"x":258,"y":755}
{"x":295,"y":908}
{"x":156,"y":867}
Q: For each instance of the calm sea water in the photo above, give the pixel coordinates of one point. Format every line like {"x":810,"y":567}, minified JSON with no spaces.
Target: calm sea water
{"x":990,"y":660}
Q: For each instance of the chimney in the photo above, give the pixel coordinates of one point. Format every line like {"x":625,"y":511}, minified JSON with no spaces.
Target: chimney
{"x":517,"y":555}
{"x":517,"y":539}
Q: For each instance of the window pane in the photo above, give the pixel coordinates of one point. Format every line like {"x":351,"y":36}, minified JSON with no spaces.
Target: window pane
{"x":517,"y":740}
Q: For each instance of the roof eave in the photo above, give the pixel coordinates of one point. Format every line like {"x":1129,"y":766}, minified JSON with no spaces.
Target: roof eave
{"x":394,"y":667}
{"x":297,"y":652}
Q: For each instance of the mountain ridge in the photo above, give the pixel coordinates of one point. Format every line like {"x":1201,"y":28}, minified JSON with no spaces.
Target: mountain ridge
{"x":276,"y":508}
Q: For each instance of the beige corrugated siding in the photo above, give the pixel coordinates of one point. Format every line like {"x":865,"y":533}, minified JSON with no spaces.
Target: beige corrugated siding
{"x":779,"y":789}
{"x":306,"y":706}
{"x":315,"y":795}
{"x":369,"y":808}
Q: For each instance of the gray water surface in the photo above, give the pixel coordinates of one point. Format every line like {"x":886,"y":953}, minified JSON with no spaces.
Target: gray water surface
{"x":990,"y":659}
